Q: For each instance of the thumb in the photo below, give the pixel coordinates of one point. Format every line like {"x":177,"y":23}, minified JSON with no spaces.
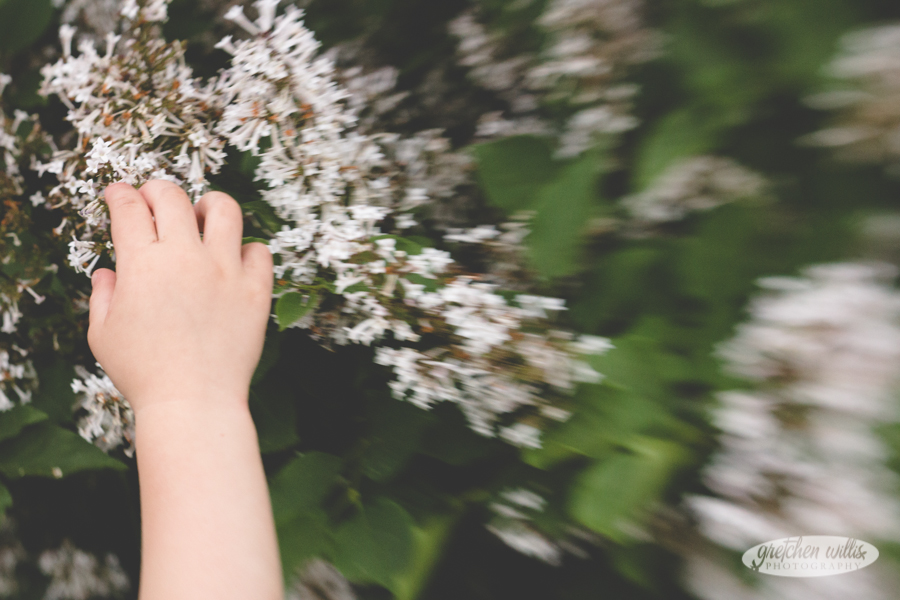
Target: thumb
{"x":103,"y":282}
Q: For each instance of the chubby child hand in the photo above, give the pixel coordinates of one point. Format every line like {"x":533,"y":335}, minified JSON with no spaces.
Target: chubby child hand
{"x":181,"y":319}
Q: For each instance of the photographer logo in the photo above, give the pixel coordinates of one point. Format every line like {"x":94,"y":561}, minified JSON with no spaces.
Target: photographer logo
{"x":810,"y":556}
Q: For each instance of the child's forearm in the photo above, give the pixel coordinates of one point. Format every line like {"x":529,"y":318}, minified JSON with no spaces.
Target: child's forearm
{"x":206,"y":516}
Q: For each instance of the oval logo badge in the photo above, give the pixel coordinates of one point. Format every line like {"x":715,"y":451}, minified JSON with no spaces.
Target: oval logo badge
{"x":810,"y":556}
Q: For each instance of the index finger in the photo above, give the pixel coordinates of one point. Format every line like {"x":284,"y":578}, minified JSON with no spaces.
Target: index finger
{"x":131,"y":222}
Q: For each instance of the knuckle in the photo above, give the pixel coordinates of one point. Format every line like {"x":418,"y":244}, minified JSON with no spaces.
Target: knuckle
{"x":121,"y":194}
{"x":154,"y":187}
{"x":160,"y":190}
{"x":224,"y":205}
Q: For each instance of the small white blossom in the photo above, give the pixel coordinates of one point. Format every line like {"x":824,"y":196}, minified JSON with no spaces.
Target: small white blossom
{"x":694,"y":184}
{"x":78,"y":575}
{"x":109,"y":422}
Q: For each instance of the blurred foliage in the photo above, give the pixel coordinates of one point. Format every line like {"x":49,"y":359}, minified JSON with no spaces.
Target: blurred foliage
{"x":397,"y":497}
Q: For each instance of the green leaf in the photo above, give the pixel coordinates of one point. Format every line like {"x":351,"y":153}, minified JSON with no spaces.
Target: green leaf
{"x":633,"y":401}
{"x":376,"y":544}
{"x":726,"y":80}
{"x":563,"y":207}
{"x":43,"y":448}
{"x":270,"y":354}
{"x":617,"y":287}
{"x":613,"y":496}
{"x":397,"y":430}
{"x":356,"y":287}
{"x":249,"y":163}
{"x":22,"y":22}
{"x":251,"y":239}
{"x":512,"y":170}
{"x":678,"y":135}
{"x":630,"y":365}
{"x":431,"y":285}
{"x":429,"y":542}
{"x":302,"y":484}
{"x":6,"y":499}
{"x":304,"y":537}
{"x":805,"y":34}
{"x":54,"y":395}
{"x":275,"y":416}
{"x":16,"y":419}
{"x":265,"y":213}
{"x":292,"y":307}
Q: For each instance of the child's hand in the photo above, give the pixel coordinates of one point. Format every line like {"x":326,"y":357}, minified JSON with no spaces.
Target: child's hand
{"x":181,"y":319}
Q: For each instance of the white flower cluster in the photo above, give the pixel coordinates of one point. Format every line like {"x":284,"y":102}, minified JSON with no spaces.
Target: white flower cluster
{"x":11,"y":554}
{"x":16,"y":374}
{"x":503,"y":247}
{"x":799,"y":454}
{"x":513,"y":512}
{"x":97,"y":17}
{"x":865,"y":99}
{"x":497,"y":370}
{"x":109,"y":421}
{"x":589,"y":46}
{"x":424,"y":165}
{"x":326,"y":179}
{"x":139,"y":113}
{"x":515,"y":521}
{"x":78,"y":575}
{"x":11,"y":143}
{"x":694,"y":184}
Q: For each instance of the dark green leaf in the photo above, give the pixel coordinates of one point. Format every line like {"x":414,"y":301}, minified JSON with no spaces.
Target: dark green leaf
{"x":304,"y":537}
{"x":270,"y":354}
{"x":54,"y":395}
{"x":563,"y":207}
{"x":429,"y":542}
{"x":275,"y":416}
{"x":6,"y":499}
{"x":430,"y":284}
{"x":395,"y":436}
{"x":293,"y":306}
{"x":612,"y":495}
{"x":513,"y":169}
{"x":376,"y":544}
{"x":265,"y":213}
{"x":17,"y":418}
{"x":22,"y":22}
{"x":679,"y":135}
{"x":42,"y":448}
{"x":250,"y":240}
{"x":302,"y":484}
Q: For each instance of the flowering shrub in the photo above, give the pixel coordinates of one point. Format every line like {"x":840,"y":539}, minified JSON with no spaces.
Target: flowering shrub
{"x":510,"y":241}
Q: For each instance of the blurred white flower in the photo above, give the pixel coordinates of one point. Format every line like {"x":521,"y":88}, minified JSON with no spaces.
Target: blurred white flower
{"x":865,"y":99}
{"x":697,"y":183}
{"x":78,"y":575}
{"x":799,"y":455}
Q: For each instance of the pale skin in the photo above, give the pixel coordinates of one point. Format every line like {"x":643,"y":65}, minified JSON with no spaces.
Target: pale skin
{"x":179,"y":328}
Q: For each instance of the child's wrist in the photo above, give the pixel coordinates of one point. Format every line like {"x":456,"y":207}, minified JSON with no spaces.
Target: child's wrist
{"x":201,"y":397}
{"x":197,"y":408}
